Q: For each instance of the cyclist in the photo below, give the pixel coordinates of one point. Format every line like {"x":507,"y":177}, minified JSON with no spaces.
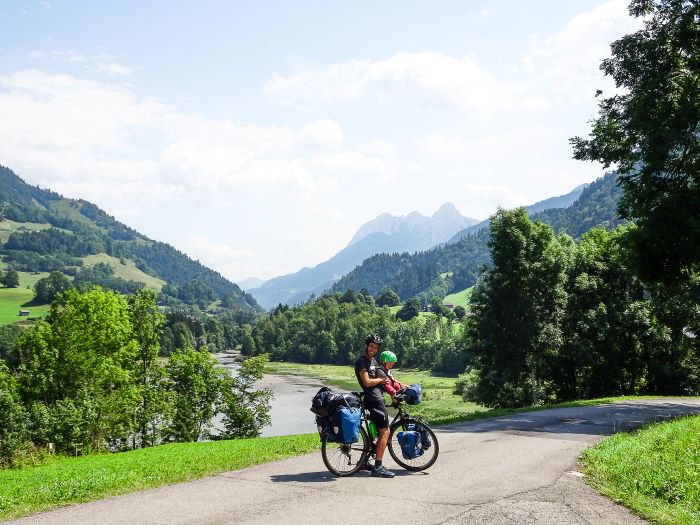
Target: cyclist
{"x":366,"y":368}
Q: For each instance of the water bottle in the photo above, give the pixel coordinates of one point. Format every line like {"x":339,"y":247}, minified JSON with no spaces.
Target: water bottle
{"x":373,"y":432}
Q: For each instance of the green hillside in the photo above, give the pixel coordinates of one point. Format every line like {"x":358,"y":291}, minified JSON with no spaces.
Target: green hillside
{"x":41,"y":232}
{"x":459,"y":298}
{"x":126,"y":269}
{"x":12,"y":300}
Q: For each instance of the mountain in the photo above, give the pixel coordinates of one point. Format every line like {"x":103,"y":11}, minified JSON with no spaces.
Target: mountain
{"x":386,"y":233}
{"x":41,"y":231}
{"x":456,"y":265}
{"x":416,"y":231}
{"x":251,"y":282}
{"x":562,"y":201}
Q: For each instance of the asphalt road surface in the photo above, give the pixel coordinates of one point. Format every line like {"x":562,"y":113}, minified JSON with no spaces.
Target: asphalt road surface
{"x":519,"y":469}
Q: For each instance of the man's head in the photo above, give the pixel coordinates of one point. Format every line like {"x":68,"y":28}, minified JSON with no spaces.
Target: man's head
{"x":372,"y":344}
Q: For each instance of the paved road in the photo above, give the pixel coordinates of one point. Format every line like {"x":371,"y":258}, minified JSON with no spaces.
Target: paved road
{"x":519,"y":469}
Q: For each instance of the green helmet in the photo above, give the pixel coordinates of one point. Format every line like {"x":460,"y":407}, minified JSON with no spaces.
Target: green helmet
{"x":387,"y":357}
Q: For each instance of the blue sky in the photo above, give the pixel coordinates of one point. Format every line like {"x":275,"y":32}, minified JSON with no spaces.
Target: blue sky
{"x":259,"y":136}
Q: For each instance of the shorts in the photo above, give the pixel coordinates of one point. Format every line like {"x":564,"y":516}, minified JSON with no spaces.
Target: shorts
{"x":378,"y":415}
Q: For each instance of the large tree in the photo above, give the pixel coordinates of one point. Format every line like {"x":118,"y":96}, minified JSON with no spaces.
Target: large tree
{"x":10,"y":279}
{"x":515,"y":330}
{"x":650,"y":130}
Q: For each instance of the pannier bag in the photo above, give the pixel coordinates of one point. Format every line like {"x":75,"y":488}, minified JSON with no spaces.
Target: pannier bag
{"x":414,"y":394}
{"x":410,"y":444}
{"x":325,"y":402}
{"x":325,"y":428}
{"x":425,"y":441}
{"x":348,"y":420}
{"x":338,"y":415}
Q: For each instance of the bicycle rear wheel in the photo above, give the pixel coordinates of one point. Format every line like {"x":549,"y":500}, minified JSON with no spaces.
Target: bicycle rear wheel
{"x":422,"y":462}
{"x":345,"y":460}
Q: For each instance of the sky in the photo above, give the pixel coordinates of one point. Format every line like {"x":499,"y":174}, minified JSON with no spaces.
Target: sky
{"x":258,"y":136}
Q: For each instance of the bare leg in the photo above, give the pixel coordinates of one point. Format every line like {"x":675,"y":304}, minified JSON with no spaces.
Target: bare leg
{"x":381,"y":442}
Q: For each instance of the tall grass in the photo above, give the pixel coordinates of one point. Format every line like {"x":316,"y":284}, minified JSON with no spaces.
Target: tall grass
{"x":655,"y":471}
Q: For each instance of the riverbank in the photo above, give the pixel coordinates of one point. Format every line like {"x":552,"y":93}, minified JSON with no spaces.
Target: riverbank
{"x":439,"y":406}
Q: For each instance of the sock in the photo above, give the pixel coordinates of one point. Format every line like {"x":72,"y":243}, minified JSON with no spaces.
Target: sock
{"x":377,"y":463}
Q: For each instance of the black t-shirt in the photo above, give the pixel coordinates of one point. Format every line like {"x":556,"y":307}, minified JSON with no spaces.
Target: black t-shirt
{"x":373,"y":394}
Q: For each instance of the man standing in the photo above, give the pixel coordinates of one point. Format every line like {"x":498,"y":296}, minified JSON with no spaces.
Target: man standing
{"x":366,"y":368}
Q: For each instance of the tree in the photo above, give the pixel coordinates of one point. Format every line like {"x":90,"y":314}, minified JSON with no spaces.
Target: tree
{"x":147,"y":329}
{"x":460,"y":312}
{"x":649,"y":130}
{"x":246,"y":410}
{"x":79,"y":363}
{"x":14,"y":435}
{"x":46,"y":289}
{"x":388,"y":297}
{"x":196,"y":384}
{"x":10,"y":279}
{"x":409,"y":310}
{"x":518,"y":305}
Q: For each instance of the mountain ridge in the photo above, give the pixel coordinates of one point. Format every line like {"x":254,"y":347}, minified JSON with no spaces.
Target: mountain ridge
{"x":412,"y":232}
{"x":68,"y":230}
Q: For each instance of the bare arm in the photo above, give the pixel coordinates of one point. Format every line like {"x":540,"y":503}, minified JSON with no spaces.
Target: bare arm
{"x":369,"y":383}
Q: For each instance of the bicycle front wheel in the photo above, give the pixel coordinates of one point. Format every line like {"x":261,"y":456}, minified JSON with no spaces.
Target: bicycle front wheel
{"x":345,"y":460}
{"x":430,"y":453}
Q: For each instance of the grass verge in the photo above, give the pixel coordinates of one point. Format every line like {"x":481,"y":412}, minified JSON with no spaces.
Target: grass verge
{"x":654,"y":471}
{"x":66,"y":480}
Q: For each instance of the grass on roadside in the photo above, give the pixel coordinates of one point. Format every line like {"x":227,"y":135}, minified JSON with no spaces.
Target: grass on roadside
{"x":66,"y":480}
{"x":655,"y":471}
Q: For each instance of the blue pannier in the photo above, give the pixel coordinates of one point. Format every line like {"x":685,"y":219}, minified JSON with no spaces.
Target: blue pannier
{"x":425,"y":441}
{"x":410,"y":444}
{"x":348,"y":424}
{"x":414,"y":394}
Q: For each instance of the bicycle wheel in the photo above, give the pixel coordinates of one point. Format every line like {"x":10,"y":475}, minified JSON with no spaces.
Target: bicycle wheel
{"x":422,"y":462}
{"x":345,"y":460}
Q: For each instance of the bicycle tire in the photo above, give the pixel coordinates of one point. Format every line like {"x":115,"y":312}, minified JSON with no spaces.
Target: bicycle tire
{"x":420,"y":463}
{"x":337,"y":456}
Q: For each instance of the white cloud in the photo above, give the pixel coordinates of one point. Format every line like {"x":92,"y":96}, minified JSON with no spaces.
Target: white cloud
{"x":202,"y":247}
{"x":114,"y":69}
{"x":324,"y":133}
{"x":429,"y":78}
{"x":101,"y":61}
{"x":570,"y":59}
{"x":553,"y":67}
{"x":64,"y":56}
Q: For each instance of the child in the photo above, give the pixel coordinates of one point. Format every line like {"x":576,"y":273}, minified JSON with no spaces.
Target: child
{"x":392,"y":387}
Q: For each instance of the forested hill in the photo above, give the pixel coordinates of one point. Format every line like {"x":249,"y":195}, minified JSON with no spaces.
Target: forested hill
{"x":41,"y":231}
{"x":456,"y":265}
{"x":560,"y":202}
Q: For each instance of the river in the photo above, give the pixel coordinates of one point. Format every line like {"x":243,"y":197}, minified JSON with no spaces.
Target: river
{"x":290,"y":407}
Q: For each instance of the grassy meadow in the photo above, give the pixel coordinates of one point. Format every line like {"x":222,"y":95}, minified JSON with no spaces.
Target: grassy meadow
{"x":654,"y":471}
{"x":459,"y":298}
{"x":61,"y":481}
{"x":12,"y":300}
{"x":127,"y":270}
{"x":8,"y":227}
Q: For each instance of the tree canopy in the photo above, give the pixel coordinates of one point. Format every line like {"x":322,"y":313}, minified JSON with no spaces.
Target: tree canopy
{"x":650,"y":129}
